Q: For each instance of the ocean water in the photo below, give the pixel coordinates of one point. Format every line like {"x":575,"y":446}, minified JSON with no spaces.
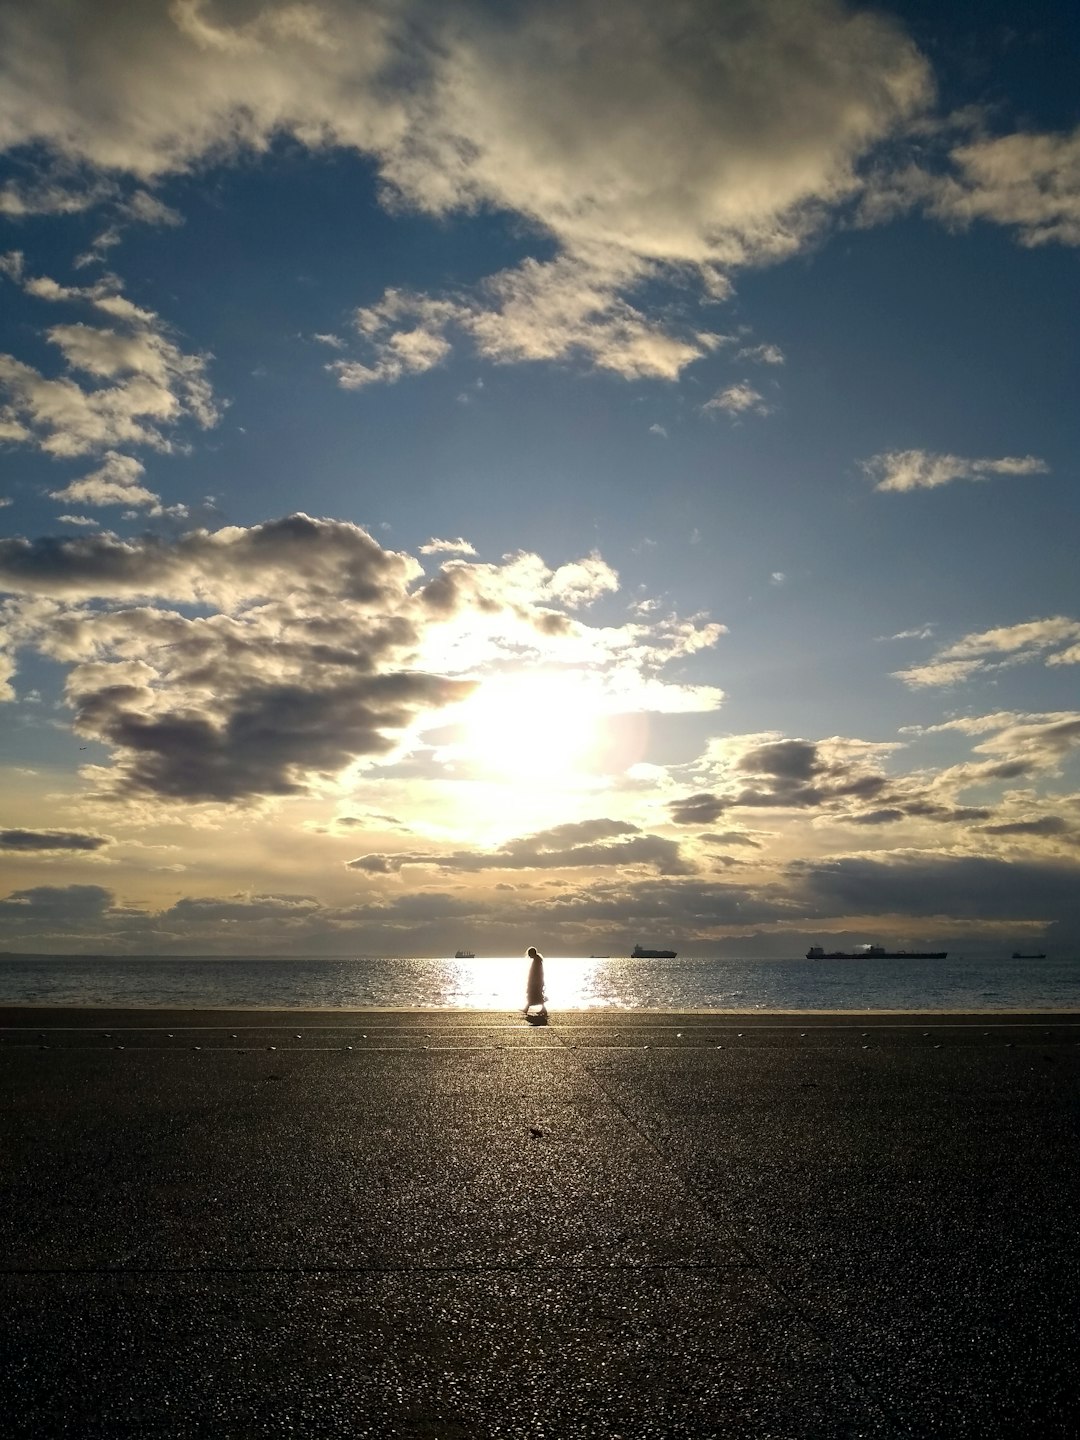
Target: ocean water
{"x":572,"y":984}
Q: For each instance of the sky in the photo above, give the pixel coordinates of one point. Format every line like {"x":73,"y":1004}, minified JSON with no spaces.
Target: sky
{"x":578,"y":474}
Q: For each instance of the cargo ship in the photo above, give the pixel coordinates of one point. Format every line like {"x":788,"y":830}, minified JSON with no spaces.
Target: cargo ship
{"x":639,"y":953}
{"x":874,"y":952}
{"x":464,"y":955}
{"x":1040,"y":955}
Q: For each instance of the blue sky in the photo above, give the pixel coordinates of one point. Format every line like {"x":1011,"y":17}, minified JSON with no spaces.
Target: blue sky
{"x":553,"y":473}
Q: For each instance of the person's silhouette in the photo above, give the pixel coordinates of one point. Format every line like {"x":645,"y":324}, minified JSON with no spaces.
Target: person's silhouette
{"x":534,"y":986}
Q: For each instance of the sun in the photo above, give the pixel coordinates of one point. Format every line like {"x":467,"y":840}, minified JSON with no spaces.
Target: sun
{"x":534,"y":725}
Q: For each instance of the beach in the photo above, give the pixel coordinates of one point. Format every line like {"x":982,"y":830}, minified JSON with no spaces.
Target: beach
{"x":377,"y":1223}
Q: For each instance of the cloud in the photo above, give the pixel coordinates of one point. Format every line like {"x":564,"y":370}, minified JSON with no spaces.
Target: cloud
{"x":583,"y":581}
{"x":980,"y":651}
{"x":1030,"y":636}
{"x":114,"y":482}
{"x":1029,"y":180}
{"x":447,"y":547}
{"x":30,"y":840}
{"x":134,"y":385}
{"x":633,"y":137}
{"x":311,"y":650}
{"x":1040,"y":742}
{"x":737,"y":400}
{"x":675,"y":145}
{"x":577,"y":845}
{"x":921,"y":632}
{"x":48,"y":197}
{"x":1042,"y":827}
{"x":55,"y":904}
{"x":211,"y":910}
{"x":560,"y":309}
{"x":834,"y":781}
{"x":255,"y":699}
{"x":328,"y":558}
{"x":700,"y":809}
{"x":902,"y":470}
{"x":937,"y":673}
{"x":934,"y":886}
{"x":763,"y":354}
{"x":785,"y":774}
{"x":730,"y":837}
{"x":658,"y":430}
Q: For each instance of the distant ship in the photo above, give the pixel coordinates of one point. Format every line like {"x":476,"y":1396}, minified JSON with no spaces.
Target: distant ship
{"x":1040,"y":956}
{"x":464,"y":955}
{"x":874,"y":952}
{"x":640,"y":954}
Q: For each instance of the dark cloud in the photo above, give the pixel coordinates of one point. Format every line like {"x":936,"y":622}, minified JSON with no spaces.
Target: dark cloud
{"x":786,"y":759}
{"x":1046,"y":825}
{"x":330,"y":557}
{"x":966,"y":887}
{"x":62,"y":904}
{"x":730,"y":837}
{"x":50,"y":840}
{"x":572,"y":846}
{"x":691,"y":905}
{"x":209,"y":910}
{"x":700,"y":809}
{"x":260,"y":742}
{"x":931,"y":810}
{"x":1006,"y":770}
{"x":874,"y":817}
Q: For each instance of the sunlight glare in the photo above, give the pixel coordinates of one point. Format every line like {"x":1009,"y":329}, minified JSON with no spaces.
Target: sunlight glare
{"x":536,"y":725}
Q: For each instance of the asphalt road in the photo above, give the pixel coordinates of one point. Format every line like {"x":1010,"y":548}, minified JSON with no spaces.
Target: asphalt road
{"x":259,"y":1224}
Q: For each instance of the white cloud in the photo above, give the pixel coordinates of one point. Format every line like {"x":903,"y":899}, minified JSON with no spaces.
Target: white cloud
{"x":141,"y":384}
{"x":901,"y":470}
{"x":921,"y":632}
{"x":983,"y":650}
{"x":1028,"y":180}
{"x":937,"y":673}
{"x":447,"y":547}
{"x":115,"y":482}
{"x":777,"y":578}
{"x":47,"y":197}
{"x":763,"y":354}
{"x":682,"y":141}
{"x":658,"y":430}
{"x":1039,"y":740}
{"x":148,"y":209}
{"x":565,"y":308}
{"x":1030,"y":636}
{"x":582,"y":581}
{"x":738,"y":400}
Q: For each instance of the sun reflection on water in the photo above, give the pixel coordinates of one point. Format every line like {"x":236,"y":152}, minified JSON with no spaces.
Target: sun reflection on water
{"x":498,"y":982}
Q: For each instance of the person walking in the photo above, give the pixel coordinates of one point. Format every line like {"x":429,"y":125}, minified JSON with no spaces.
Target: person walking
{"x":534,"y":986}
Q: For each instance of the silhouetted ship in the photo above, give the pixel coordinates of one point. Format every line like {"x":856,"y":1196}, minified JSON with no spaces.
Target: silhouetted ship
{"x":874,"y":952}
{"x":639,"y":953}
{"x":1041,"y":955}
{"x":464,"y":955}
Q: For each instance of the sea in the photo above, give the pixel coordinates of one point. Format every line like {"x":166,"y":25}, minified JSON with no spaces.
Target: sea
{"x":573,"y":983}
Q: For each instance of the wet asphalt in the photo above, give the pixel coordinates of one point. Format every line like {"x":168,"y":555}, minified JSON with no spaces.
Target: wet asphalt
{"x":249,"y":1224}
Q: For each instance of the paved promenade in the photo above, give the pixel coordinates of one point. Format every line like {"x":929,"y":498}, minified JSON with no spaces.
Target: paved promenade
{"x":249,"y":1224}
